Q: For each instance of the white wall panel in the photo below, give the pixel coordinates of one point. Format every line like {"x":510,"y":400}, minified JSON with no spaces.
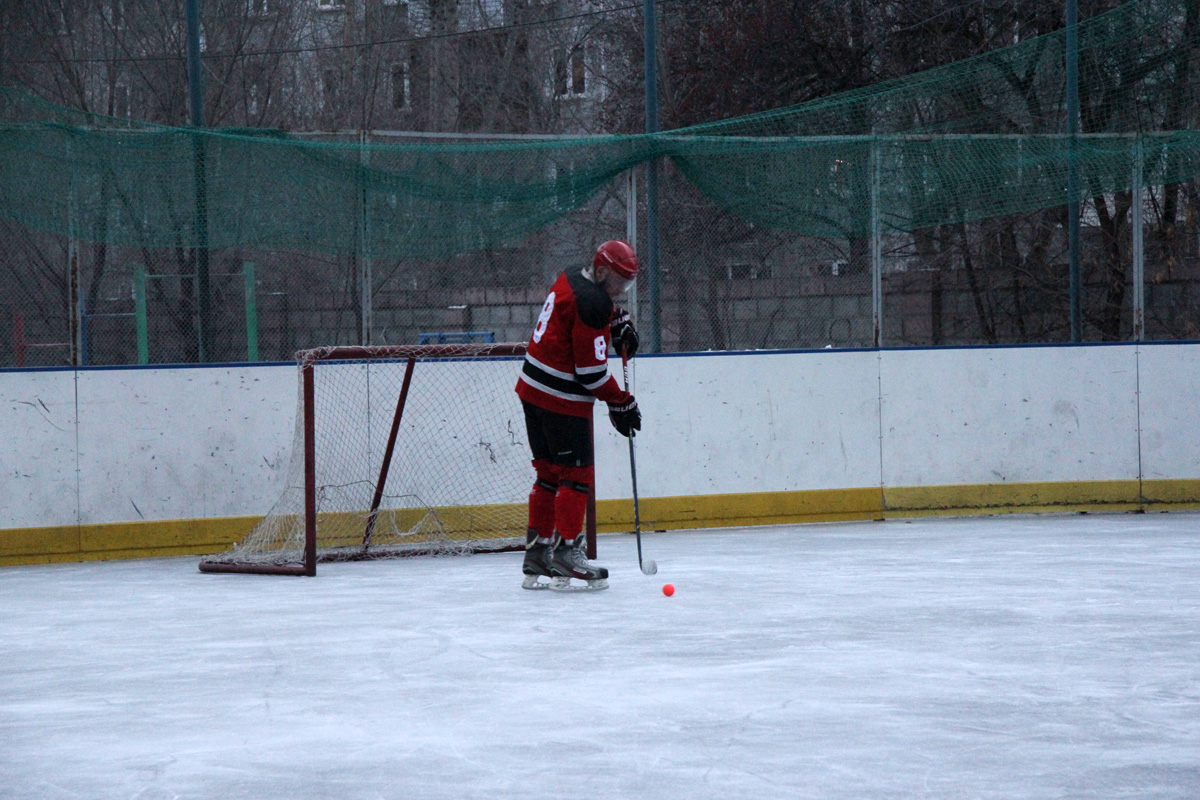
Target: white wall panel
{"x":747,"y":422}
{"x":1170,"y":411}
{"x":182,"y":443}
{"x":1012,"y":414}
{"x":37,"y":449}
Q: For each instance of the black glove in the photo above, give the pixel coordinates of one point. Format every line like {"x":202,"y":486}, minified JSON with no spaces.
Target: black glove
{"x":624,"y":336}
{"x":625,"y":417}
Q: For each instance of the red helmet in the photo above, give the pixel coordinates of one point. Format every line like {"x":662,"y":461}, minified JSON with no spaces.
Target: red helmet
{"x":619,"y":257}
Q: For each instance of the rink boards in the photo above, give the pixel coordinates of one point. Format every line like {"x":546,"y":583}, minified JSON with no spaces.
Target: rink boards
{"x":112,"y":463}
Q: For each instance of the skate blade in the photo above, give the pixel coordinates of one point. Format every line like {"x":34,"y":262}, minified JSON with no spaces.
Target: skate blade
{"x":531,"y":582}
{"x":564,"y":585}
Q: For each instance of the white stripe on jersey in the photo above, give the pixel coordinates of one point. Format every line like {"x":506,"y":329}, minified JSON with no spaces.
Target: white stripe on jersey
{"x":580,"y":398}
{"x":596,"y":384}
{"x":567,"y":376}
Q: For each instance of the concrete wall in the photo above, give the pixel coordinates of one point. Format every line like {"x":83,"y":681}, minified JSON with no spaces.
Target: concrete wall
{"x":730,"y":438}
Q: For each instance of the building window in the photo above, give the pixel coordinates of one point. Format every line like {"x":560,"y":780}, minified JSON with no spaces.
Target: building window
{"x":253,"y":106}
{"x":570,"y":74}
{"x":400,"y":87}
{"x":121,"y":105}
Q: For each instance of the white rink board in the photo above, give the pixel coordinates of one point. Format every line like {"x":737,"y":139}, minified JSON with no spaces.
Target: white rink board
{"x":37,"y":449}
{"x":203,"y":442}
{"x":1009,"y":415}
{"x":1170,"y":408}
{"x":183,"y":443}
{"x":747,"y":422}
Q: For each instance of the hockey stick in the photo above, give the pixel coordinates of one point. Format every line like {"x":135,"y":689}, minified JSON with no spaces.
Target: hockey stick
{"x":648,"y":566}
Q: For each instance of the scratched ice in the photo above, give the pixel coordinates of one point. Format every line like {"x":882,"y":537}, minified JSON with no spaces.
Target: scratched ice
{"x":1023,"y":657}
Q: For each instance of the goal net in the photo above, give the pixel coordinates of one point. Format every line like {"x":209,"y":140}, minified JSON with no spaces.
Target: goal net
{"x":398,"y":450}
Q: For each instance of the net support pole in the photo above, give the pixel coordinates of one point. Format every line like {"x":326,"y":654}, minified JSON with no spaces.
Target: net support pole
{"x":203,"y":284}
{"x":631,"y":232}
{"x":200,"y":177}
{"x":876,"y":248}
{"x":650,"y":257}
{"x":386,"y":466}
{"x":1137,"y":245}
{"x":18,"y":337}
{"x":251,"y":311}
{"x":364,"y":241}
{"x":1072,"y":79}
{"x":83,"y":333}
{"x":631,"y":228}
{"x":140,"y":314}
{"x":75,"y":304}
{"x":74,"y":310}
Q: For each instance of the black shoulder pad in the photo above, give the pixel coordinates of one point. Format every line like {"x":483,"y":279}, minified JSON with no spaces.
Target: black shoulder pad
{"x":592,"y":303}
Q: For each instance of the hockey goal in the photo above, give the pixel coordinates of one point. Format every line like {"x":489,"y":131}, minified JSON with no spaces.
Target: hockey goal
{"x":398,"y":450}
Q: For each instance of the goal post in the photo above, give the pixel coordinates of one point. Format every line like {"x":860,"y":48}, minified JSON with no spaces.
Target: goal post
{"x":398,"y":451}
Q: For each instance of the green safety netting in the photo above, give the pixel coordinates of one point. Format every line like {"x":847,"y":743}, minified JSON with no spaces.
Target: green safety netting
{"x":976,"y":139}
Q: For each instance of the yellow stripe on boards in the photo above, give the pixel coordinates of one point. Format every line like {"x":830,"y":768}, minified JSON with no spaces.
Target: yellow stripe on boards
{"x":121,"y":540}
{"x":206,"y":536}
{"x":739,"y":510}
{"x":974,"y":498}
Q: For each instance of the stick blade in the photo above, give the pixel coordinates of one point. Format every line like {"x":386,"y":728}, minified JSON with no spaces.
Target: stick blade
{"x":649,"y":567}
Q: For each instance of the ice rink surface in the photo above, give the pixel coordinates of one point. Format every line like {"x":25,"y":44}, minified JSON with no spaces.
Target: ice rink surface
{"x":1016,"y":657}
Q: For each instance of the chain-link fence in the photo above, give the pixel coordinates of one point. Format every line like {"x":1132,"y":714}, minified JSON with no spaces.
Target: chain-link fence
{"x":1005,"y":280}
{"x":726,"y":284}
{"x":955,"y":205}
{"x":100,"y":303}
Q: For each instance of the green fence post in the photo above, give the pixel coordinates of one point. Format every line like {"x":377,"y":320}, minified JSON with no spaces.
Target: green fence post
{"x":139,"y":301}
{"x":251,"y":312}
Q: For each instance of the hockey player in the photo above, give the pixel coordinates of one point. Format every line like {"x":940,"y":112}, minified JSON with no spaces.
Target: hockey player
{"x":565,"y":371}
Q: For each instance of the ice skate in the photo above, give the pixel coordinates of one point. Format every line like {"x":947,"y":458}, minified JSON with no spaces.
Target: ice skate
{"x":569,"y":561}
{"x":537,"y":561}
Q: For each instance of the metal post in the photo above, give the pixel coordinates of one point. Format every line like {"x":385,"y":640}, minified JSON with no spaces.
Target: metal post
{"x":200,"y":173}
{"x":195,"y":78}
{"x":650,"y":259}
{"x":83,"y":334}
{"x":631,"y":236}
{"x":140,"y":314}
{"x":364,"y":254}
{"x":74,"y":308}
{"x":631,"y":230}
{"x":251,"y":311}
{"x":876,"y":248}
{"x":1137,"y":247}
{"x":1072,"y":78}
{"x":18,"y":337}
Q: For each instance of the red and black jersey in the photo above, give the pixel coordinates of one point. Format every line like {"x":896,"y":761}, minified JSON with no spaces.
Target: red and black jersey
{"x":566,"y":365}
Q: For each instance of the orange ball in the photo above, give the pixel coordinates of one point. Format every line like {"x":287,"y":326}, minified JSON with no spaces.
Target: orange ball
{"x":668,"y":589}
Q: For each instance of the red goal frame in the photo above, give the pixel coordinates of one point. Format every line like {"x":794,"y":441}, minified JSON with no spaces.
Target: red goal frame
{"x":307,"y":361}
